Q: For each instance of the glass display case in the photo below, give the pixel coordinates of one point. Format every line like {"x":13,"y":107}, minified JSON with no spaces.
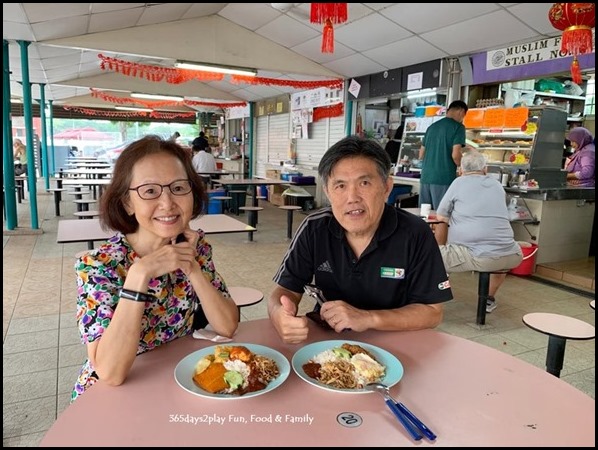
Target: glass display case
{"x":413,"y":133}
{"x":533,"y":150}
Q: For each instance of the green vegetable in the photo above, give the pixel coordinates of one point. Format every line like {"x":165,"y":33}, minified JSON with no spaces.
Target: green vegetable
{"x":342,"y":353}
{"x":233,"y":378}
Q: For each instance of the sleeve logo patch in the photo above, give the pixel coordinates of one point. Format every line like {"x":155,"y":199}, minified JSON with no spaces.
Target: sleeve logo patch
{"x":444,"y":285}
{"x":392,"y":272}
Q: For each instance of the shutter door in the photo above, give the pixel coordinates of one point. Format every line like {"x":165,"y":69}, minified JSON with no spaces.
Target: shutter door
{"x":273,"y":141}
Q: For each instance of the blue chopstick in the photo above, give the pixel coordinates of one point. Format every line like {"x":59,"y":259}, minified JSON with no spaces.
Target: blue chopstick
{"x":414,"y":419}
{"x":414,"y":432}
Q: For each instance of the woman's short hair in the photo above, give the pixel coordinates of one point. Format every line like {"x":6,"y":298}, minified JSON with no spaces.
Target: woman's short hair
{"x":113,"y":214}
{"x":351,"y":147}
{"x":473,"y":161}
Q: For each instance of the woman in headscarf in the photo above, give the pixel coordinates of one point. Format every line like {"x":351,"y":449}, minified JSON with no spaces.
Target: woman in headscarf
{"x":582,"y":164}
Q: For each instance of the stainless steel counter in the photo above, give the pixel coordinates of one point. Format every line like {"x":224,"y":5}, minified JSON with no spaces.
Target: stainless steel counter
{"x":549,"y":194}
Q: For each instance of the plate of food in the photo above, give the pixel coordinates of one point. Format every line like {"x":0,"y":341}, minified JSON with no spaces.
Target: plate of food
{"x":346,"y":366}
{"x":230,"y":372}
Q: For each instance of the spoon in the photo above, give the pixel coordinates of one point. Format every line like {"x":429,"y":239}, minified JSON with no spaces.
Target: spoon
{"x":383,"y":389}
{"x":394,"y":407}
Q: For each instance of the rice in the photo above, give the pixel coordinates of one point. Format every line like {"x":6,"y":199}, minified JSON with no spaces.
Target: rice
{"x":238,"y":366}
{"x":325,"y":356}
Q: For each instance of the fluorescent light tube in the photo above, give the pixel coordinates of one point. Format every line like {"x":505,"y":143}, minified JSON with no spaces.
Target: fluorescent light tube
{"x":422,"y":93}
{"x":175,"y":98}
{"x":219,"y":69}
{"x":131,"y":108}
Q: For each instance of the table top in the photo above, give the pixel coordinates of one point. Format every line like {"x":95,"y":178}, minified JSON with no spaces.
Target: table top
{"x":245,"y":296}
{"x":76,"y":230}
{"x":559,"y":325}
{"x":432,"y":218}
{"x":467,"y":393}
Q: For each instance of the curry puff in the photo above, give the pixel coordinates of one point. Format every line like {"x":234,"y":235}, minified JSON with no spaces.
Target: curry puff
{"x":234,"y":370}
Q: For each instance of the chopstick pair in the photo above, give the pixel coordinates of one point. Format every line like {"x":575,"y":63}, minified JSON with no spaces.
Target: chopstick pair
{"x":410,"y":421}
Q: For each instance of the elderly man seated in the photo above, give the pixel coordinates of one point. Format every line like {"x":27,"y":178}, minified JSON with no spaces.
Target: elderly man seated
{"x":475,"y":232}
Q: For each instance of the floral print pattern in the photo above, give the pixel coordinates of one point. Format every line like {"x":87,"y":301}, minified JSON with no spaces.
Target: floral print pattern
{"x":101,"y":274}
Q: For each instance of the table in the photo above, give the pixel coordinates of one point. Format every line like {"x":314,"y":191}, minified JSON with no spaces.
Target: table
{"x":431,"y":219}
{"x":253,"y":183}
{"x":467,"y":393}
{"x":90,"y":230}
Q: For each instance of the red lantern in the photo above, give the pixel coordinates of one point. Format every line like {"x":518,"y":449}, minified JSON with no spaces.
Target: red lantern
{"x":576,"y":21}
{"x":328,"y":14}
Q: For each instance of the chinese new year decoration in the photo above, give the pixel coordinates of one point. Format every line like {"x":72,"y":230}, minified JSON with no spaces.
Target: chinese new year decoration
{"x":328,"y":14}
{"x":576,"y":21}
{"x":177,"y":76}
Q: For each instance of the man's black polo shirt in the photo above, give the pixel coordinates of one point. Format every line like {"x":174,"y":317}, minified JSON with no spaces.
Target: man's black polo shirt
{"x":402,"y":264}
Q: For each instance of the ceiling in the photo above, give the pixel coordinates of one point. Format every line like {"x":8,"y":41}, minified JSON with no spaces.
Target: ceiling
{"x":275,"y":38}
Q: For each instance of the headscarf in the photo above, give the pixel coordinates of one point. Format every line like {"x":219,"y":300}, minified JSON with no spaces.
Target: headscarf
{"x":582,"y":137}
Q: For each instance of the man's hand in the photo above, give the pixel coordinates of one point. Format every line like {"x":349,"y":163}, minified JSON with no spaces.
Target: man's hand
{"x":291,"y":329}
{"x":341,"y":316}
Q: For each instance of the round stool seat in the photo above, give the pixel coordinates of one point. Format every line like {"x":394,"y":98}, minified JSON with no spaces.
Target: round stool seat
{"x":245,"y":296}
{"x":251,"y":208}
{"x":221,"y":197}
{"x":593,"y":304}
{"x":86,"y":214}
{"x":290,"y":207}
{"x":560,"y":326}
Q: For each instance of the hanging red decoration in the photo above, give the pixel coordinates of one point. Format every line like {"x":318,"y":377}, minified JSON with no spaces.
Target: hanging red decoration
{"x":576,"y":21}
{"x":323,"y":112}
{"x":328,"y":14}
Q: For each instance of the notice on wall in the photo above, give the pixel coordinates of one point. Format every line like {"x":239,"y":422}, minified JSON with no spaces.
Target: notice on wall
{"x":354,"y":88}
{"x":415,"y":81}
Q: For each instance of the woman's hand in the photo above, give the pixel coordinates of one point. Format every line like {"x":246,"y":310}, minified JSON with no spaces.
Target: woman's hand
{"x":169,"y":258}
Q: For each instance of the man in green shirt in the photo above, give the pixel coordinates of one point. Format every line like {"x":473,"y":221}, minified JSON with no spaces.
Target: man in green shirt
{"x":441,"y":154}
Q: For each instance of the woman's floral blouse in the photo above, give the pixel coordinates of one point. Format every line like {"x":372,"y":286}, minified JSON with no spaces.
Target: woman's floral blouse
{"x":100,"y":275}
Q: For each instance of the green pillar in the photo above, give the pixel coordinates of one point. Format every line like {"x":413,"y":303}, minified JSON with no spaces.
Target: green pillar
{"x":51,"y":118}
{"x":44,"y":149}
{"x":10,"y":202}
{"x":249,"y":144}
{"x":348,"y":117}
{"x":28,"y":116}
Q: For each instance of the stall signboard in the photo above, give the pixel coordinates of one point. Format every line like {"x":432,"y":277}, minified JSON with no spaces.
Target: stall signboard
{"x":523,"y":61}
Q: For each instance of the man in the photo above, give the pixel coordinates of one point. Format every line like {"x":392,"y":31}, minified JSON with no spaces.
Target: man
{"x":379,"y":267}
{"x":200,"y":143}
{"x":204,"y":163}
{"x":441,"y":154}
{"x":480,"y":236}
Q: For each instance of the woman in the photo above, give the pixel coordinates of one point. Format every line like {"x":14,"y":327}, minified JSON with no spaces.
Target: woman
{"x":155,"y":268}
{"x":582,"y":164}
{"x":20,"y":152}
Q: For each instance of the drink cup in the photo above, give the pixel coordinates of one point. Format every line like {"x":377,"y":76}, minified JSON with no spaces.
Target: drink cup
{"x":425,"y":209}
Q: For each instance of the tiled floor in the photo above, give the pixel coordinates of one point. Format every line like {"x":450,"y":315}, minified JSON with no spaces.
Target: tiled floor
{"x":42,"y":353}
{"x":580,"y":273}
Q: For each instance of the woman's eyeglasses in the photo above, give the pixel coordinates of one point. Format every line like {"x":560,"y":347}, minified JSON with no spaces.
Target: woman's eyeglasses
{"x":152,"y":191}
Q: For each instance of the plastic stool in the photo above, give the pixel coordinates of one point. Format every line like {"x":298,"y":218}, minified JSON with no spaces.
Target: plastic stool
{"x":559,"y":328}
{"x":290,"y":209}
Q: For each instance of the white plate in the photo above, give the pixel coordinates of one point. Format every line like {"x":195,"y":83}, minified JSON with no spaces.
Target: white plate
{"x":394,"y":368}
{"x":185,"y":369}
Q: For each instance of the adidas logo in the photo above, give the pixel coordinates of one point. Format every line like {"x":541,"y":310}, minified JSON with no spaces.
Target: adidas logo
{"x":325,"y":267}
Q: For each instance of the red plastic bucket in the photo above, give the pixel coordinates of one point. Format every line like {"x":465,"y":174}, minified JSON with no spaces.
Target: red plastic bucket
{"x":529,"y":260}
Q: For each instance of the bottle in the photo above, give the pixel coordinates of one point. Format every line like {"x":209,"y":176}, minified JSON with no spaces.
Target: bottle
{"x":504,"y":180}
